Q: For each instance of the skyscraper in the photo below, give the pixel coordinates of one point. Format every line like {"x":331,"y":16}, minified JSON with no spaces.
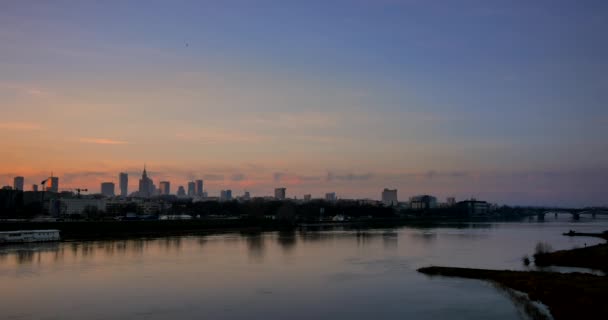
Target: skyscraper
{"x":52,"y":184}
{"x":146,"y":186}
{"x":389,"y":197}
{"x":123,"y":179}
{"x":226,"y":195}
{"x":330,"y":196}
{"x":279,"y":193}
{"x":35,"y":187}
{"x":107,"y":189}
{"x":165,"y":187}
{"x":191,"y":189}
{"x":18,"y":183}
{"x":199,"y":188}
{"x":181,"y":192}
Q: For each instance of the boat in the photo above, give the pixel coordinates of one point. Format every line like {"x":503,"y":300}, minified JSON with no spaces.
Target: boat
{"x":23,"y":236}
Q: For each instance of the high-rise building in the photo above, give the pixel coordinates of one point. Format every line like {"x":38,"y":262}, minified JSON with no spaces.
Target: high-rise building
{"x":35,"y":187}
{"x":181,"y":192}
{"x":146,"y":186}
{"x":331,"y":197}
{"x":226,"y":195}
{"x":279,"y":193}
{"x":191,"y":189}
{"x":246,"y":196}
{"x":123,"y":179}
{"x":18,"y":183}
{"x":307,"y":197}
{"x":107,"y":189}
{"x":165,"y":187}
{"x":389,"y":197}
{"x":52,"y":184}
{"x":199,"y":188}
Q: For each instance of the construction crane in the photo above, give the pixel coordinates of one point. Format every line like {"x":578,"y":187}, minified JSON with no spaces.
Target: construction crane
{"x":78,"y":190}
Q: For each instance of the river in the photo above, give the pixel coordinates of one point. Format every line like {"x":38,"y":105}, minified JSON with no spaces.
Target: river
{"x":328,"y":274}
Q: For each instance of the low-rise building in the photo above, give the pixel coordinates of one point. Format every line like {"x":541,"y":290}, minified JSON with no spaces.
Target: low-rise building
{"x":423,"y":202}
{"x":473,"y":207}
{"x":79,"y":206}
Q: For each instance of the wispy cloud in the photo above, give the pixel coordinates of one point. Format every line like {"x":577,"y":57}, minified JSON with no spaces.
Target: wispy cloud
{"x":28,"y":126}
{"x":102,"y":141}
{"x":24,"y":89}
{"x":348,"y":177}
{"x":218,"y":136}
{"x":237,"y":177}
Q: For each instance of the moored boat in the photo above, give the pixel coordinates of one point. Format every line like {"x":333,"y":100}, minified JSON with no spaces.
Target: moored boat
{"x":23,"y":236}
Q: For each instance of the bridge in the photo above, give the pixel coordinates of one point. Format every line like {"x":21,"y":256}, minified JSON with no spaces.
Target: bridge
{"x":576,"y":213}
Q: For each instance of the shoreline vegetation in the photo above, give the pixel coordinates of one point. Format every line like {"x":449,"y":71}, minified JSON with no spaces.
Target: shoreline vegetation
{"x":567,"y":295}
{"x":91,"y":230}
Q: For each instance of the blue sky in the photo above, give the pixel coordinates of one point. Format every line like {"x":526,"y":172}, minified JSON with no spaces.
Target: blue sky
{"x":503,"y":100}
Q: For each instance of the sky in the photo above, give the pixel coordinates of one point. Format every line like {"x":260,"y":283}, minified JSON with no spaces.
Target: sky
{"x":503,"y":101}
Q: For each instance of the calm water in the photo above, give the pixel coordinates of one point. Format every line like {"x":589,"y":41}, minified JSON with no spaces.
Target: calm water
{"x":337,"y":274}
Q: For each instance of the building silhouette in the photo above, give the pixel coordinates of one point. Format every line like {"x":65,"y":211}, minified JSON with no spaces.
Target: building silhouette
{"x":123,"y":179}
{"x":226,"y":195}
{"x":52,"y":184}
{"x":199,"y":188}
{"x":279,"y":193}
{"x":423,"y":202}
{"x":18,"y":183}
{"x":165,"y":187}
{"x":181,"y":192}
{"x":107,"y":189}
{"x":389,"y":197}
{"x":191,"y":189}
{"x":146,"y":186}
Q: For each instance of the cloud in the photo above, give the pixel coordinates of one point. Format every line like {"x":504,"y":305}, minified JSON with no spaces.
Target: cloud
{"x":348,"y":177}
{"x":25,"y":89}
{"x":213,"y":177}
{"x":237,"y":177}
{"x":431,"y":174}
{"x":22,"y":126}
{"x":86,"y":175}
{"x":277,"y":176}
{"x":218,"y":136}
{"x":102,"y":141}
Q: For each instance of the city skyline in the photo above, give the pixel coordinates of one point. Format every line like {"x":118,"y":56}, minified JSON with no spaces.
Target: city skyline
{"x":503,"y":101}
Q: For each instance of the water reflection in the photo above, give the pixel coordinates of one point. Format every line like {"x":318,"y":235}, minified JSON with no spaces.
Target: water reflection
{"x":343,"y":271}
{"x":287,"y":240}
{"x":390,"y":239}
{"x":255,"y":245}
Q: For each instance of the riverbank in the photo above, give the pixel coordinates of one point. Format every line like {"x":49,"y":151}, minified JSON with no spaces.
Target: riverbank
{"x":92,"y":230}
{"x":567,"y":295}
{"x":592,"y":257}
